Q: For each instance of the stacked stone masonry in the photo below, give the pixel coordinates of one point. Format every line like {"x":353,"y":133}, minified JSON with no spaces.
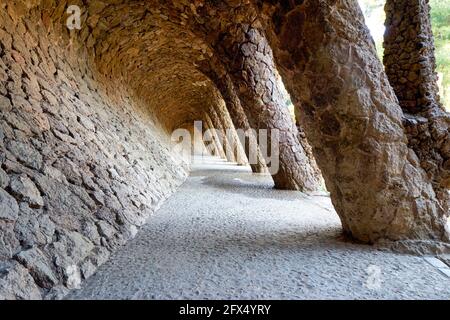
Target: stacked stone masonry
{"x":411,"y":69}
{"x":81,"y":169}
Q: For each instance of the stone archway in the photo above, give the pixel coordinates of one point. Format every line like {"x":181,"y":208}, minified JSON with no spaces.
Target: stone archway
{"x":85,"y":150}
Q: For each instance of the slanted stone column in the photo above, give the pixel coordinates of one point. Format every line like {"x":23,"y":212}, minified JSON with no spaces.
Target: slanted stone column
{"x":307,"y":147}
{"x":410,"y":65}
{"x":409,"y":54}
{"x":216,"y":121}
{"x":231,"y":134}
{"x":209,"y":125}
{"x":249,"y":62}
{"x":197,"y":147}
{"x":238,"y":117}
{"x":352,"y":119}
{"x":238,"y":149}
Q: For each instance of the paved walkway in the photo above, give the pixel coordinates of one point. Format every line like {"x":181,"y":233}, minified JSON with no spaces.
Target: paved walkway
{"x":228,"y":235}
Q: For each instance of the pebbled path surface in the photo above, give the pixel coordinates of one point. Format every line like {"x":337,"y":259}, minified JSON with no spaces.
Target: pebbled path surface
{"x":226,"y":234}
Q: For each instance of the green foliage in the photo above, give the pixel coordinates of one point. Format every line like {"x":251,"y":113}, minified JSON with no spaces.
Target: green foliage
{"x":369,"y":6}
{"x":440,"y":14}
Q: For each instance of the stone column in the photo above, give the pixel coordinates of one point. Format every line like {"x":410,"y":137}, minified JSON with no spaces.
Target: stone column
{"x":198,"y":146}
{"x":238,"y":149}
{"x":232,"y":136}
{"x":410,"y":65}
{"x":219,"y":150}
{"x":307,"y":147}
{"x":238,"y":117}
{"x":216,"y":121}
{"x":409,"y":54}
{"x":353,"y":121}
{"x":249,"y":62}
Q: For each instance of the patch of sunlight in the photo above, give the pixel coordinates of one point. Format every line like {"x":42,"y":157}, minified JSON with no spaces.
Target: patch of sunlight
{"x":375,"y":17}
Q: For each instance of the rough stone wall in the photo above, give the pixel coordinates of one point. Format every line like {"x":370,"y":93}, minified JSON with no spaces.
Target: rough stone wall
{"x":83,"y":165}
{"x":352,"y":119}
{"x":410,"y":65}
